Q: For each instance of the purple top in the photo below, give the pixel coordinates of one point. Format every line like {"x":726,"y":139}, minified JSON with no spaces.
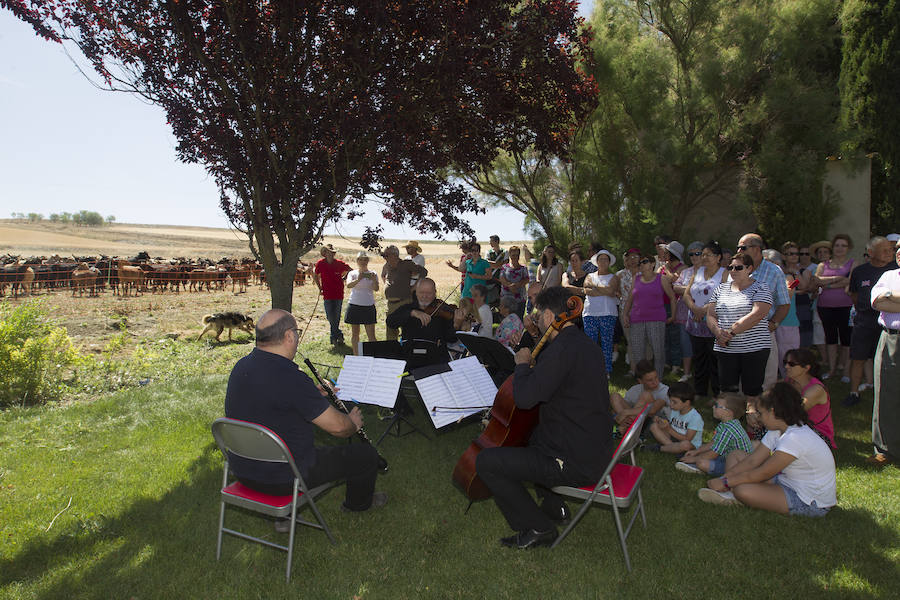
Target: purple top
{"x":835,"y":297}
{"x":648,"y":300}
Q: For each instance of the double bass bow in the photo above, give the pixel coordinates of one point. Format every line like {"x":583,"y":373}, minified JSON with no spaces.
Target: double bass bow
{"x":508,"y":425}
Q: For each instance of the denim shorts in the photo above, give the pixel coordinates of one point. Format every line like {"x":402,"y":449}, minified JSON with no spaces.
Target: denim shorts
{"x":717,"y":466}
{"x":796,"y":506}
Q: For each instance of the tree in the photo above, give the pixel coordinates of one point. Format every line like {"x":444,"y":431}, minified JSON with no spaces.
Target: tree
{"x":699,"y":100}
{"x":870,"y":99}
{"x":301,"y":110}
{"x":111,"y":219}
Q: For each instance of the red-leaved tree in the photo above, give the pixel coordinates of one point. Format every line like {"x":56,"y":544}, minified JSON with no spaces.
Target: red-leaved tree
{"x":301,"y":110}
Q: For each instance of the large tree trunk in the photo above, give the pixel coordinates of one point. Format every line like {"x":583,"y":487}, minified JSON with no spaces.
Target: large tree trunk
{"x":281,"y":285}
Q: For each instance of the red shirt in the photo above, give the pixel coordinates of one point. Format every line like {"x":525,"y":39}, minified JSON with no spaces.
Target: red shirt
{"x":331,"y":276}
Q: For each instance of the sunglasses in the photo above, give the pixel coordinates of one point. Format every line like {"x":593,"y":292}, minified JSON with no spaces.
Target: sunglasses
{"x":645,"y":261}
{"x":735,"y":267}
{"x":742,"y":248}
{"x":804,"y":254}
{"x":695,"y":254}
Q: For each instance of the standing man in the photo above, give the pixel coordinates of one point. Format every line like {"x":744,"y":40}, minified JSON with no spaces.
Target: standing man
{"x":397,"y":275}
{"x":866,"y":330}
{"x":329,"y":277}
{"x":771,"y":274}
{"x":414,"y":253}
{"x":886,"y":412}
{"x":267,"y":388}
{"x":572,"y":443}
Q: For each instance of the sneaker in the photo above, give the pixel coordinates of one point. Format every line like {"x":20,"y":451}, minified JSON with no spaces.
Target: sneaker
{"x":722,"y":498}
{"x":687,"y":467}
{"x":845,"y":379}
{"x":684,"y":378}
{"x":864,"y":386}
{"x":852,"y":399}
{"x":379,"y":499}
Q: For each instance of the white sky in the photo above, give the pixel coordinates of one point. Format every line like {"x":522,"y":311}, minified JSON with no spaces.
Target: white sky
{"x":66,"y":146}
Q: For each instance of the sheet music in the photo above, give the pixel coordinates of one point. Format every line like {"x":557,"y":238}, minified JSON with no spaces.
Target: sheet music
{"x":370,"y":380}
{"x":447,"y":395}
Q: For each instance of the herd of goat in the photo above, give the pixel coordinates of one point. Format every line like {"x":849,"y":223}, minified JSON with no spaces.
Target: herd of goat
{"x":137,"y":274}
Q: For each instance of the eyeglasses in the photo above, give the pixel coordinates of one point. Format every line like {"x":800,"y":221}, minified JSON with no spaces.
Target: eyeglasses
{"x":645,"y":261}
{"x":695,"y":254}
{"x":735,"y":267}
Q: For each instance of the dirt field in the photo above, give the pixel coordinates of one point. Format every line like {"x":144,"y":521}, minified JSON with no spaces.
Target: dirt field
{"x":93,"y":321}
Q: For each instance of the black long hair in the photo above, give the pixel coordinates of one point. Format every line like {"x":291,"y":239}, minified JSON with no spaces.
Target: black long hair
{"x":785,"y":401}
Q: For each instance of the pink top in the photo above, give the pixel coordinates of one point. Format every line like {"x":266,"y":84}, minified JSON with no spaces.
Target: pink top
{"x":820,"y":414}
{"x":835,"y":297}
{"x":648,"y":299}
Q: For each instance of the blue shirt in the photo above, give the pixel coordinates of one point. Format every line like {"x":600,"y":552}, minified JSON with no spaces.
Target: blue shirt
{"x":771,"y":274}
{"x":480,"y":267}
{"x":689,"y":421}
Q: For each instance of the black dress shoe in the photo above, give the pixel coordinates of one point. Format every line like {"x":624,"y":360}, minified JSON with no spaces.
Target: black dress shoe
{"x":529,"y":539}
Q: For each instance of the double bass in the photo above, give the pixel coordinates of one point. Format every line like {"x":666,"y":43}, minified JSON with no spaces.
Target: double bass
{"x":508,"y":424}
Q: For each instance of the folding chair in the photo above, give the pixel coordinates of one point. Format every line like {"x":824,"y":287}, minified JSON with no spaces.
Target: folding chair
{"x":618,"y":487}
{"x":255,"y":442}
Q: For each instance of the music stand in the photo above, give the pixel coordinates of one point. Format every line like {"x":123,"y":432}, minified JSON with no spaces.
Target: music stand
{"x":491,"y":353}
{"x":393,"y":349}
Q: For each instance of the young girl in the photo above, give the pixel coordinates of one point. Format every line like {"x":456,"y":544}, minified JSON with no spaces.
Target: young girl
{"x":800,"y":368}
{"x":362,"y":284}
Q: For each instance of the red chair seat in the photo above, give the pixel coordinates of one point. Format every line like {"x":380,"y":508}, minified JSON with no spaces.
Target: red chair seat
{"x":624,"y":478}
{"x":242,"y":491}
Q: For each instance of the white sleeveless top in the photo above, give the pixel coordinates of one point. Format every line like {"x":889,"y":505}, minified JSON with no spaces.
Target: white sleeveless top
{"x":599,"y":306}
{"x":702,"y":289}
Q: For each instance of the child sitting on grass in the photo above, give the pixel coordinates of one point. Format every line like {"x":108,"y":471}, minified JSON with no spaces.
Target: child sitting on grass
{"x":648,"y":390}
{"x":683,"y":430}
{"x":729,"y":435}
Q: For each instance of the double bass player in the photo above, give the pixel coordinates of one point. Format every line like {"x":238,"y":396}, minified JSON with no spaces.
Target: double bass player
{"x":572,"y":443}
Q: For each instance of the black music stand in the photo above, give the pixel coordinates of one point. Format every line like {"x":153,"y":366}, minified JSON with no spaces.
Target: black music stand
{"x":393,"y":349}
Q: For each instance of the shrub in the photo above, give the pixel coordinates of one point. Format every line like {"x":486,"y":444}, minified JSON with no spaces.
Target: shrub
{"x":35,"y":355}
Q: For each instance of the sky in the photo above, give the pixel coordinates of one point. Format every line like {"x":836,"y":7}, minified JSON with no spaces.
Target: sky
{"x":66,"y":146}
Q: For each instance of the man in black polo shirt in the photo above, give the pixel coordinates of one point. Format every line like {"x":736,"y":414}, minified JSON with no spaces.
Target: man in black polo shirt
{"x":572,"y":443}
{"x":866,"y":330}
{"x":267,"y":387}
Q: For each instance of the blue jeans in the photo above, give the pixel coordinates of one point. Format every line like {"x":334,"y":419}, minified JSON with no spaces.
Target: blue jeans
{"x":333,"y":313}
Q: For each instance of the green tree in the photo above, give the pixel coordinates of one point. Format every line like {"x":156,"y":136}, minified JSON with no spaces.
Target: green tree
{"x":870,"y":99}
{"x":111,"y":218}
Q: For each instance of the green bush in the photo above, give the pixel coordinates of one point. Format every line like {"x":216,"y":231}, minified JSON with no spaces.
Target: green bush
{"x":35,"y":355}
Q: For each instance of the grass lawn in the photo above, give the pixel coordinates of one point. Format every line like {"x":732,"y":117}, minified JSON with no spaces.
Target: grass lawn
{"x":116,"y":496}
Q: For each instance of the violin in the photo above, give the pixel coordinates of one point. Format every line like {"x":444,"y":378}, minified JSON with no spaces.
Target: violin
{"x":509,"y":425}
{"x":438,"y":309}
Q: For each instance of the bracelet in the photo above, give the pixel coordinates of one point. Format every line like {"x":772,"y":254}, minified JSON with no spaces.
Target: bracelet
{"x":725,"y":483}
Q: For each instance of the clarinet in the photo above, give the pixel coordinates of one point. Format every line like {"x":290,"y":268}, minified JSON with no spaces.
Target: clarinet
{"x":382,"y":463}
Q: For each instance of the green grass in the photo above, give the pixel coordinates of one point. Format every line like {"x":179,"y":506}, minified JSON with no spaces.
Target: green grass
{"x":142,"y":473}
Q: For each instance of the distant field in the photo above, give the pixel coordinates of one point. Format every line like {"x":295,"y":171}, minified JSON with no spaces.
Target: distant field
{"x":92,"y":322}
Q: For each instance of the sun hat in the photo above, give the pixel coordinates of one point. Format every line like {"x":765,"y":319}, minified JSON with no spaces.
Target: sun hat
{"x":612,"y":259}
{"x":414,"y":244}
{"x":677,"y":249}
{"x":326,"y":248}
{"x":362,"y":254}
{"x":813,"y":248}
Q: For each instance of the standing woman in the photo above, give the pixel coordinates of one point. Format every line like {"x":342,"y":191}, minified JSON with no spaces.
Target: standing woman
{"x":803,"y":300}
{"x":600,"y":312}
{"x":575,"y":278}
{"x":682,"y":314}
{"x":787,"y":336}
{"x":706,"y":278}
{"x":549,"y":273}
{"x":513,"y":279}
{"x":738,"y":317}
{"x":671,"y":270}
{"x":362,"y":284}
{"x":645,"y":314}
{"x":802,"y":367}
{"x":625,"y":279}
{"x":833,"y":276}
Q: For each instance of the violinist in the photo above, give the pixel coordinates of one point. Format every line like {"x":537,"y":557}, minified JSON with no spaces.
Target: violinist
{"x":572,"y":443}
{"x":427,"y":318}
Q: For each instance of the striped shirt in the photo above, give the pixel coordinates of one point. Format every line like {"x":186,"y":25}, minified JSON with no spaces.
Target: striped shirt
{"x":733,"y":304}
{"x":730,"y":436}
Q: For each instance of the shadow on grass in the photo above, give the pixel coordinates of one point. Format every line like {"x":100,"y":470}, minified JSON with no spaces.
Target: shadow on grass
{"x":156,"y":547}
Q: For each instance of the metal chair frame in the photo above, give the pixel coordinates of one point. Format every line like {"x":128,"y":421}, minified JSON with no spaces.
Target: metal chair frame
{"x":604,"y":492}
{"x":255,"y":442}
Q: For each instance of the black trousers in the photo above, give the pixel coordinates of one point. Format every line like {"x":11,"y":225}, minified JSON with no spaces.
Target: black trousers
{"x":356,"y":463}
{"x":706,"y":366}
{"x":505,"y":470}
